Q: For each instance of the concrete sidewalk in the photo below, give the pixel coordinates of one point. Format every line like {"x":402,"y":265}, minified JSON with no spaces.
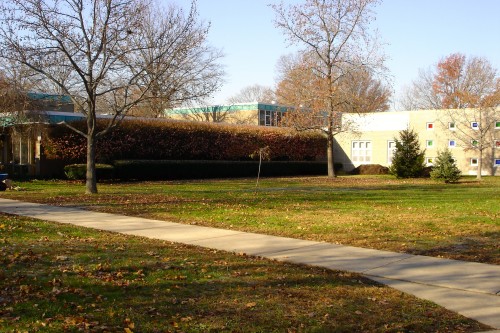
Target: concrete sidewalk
{"x":471,"y":289}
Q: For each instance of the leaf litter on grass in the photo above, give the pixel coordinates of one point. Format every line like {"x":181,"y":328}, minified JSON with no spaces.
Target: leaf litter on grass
{"x":63,"y":278}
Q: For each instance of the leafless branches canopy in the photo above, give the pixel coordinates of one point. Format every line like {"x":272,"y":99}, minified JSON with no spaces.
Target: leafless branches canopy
{"x":253,"y":93}
{"x":110,"y":55}
{"x":337,"y":42}
{"x":455,"y":82}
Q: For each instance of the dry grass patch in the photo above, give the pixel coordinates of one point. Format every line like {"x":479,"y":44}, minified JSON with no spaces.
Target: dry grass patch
{"x":60,"y":278}
{"x":459,"y":221}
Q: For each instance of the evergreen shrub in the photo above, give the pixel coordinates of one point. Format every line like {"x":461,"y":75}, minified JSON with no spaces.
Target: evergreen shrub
{"x":445,"y":168}
{"x":408,"y":160}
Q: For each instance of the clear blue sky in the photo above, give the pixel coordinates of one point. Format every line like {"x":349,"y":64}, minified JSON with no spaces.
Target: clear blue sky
{"x":418,"y":34}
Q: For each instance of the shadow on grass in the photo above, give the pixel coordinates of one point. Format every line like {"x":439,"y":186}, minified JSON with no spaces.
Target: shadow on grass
{"x":62,"y":278}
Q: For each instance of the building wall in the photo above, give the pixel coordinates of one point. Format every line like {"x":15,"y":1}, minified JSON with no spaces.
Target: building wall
{"x":259,"y":114}
{"x":371,"y":137}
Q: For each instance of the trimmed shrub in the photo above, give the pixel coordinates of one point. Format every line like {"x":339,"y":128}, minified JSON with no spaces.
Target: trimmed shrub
{"x":370,"y":169}
{"x":167,"y":169}
{"x":78,"y":171}
{"x":445,"y":168}
{"x":172,"y":140}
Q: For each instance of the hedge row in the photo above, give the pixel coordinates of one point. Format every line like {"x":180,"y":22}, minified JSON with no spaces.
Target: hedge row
{"x":171,"y":140}
{"x":163,"y":170}
{"x":170,"y":170}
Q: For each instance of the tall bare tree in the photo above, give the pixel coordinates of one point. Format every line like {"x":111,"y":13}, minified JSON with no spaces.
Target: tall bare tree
{"x":13,"y":98}
{"x":189,"y":73}
{"x":468,"y":92}
{"x":419,"y":95}
{"x":336,"y":36}
{"x":253,"y":93}
{"x":475,"y":130}
{"x":455,"y":82}
{"x":360,"y":91}
{"x":96,"y":44}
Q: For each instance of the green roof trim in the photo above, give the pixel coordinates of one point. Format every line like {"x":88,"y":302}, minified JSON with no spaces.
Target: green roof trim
{"x":49,"y":97}
{"x":45,"y":117}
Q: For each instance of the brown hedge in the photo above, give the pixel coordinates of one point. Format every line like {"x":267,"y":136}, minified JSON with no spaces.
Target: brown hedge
{"x":173,"y":140}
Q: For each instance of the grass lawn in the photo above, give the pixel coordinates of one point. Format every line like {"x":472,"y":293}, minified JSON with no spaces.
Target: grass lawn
{"x":459,"y":221}
{"x":61,"y":278}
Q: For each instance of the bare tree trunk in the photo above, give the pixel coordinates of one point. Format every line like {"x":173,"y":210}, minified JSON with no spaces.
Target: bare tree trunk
{"x":330,"y":157}
{"x":91,"y":179}
{"x":480,"y":165}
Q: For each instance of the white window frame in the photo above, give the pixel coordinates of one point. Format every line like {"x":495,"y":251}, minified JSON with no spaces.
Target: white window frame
{"x":496,"y":144}
{"x":429,"y":161}
{"x":361,"y":151}
{"x":474,"y":143}
{"x":450,"y":145}
{"x":497,"y":124}
{"x":452,"y":126}
{"x":474,"y":125}
{"x":496,"y":162}
{"x":474,"y":161}
{"x":429,"y":126}
{"x":429,"y":143}
{"x":391,"y":149}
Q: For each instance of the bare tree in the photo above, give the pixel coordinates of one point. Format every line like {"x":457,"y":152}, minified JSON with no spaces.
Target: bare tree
{"x":253,"y":93}
{"x":16,"y":101}
{"x":13,"y":99}
{"x":337,"y":38}
{"x":419,"y":96}
{"x":475,"y":129}
{"x":360,"y":91}
{"x":189,"y":73}
{"x":468,"y":91}
{"x":364,"y":93}
{"x":455,"y":82}
{"x":95,"y":43}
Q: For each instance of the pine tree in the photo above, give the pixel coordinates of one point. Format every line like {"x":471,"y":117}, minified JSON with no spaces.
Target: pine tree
{"x":408,"y":161}
{"x":445,"y":168}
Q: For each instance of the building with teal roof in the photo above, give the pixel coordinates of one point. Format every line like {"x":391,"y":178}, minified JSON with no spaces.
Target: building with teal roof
{"x":255,"y":113}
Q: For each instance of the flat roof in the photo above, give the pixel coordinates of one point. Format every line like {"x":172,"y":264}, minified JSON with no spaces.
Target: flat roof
{"x":228,"y":108}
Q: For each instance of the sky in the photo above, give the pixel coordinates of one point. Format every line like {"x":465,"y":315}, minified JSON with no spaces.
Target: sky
{"x":417,"y":34}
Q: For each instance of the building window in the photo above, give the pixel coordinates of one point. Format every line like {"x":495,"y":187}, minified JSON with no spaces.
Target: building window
{"x":430,"y":143}
{"x":474,"y":143}
{"x":474,"y":125}
{"x":452,"y":143}
{"x":391,"y":149}
{"x":429,"y":161}
{"x":497,"y":162}
{"x":361,"y":152}
{"x":497,"y":124}
{"x":269,"y":118}
{"x":451,"y":126}
{"x":474,"y":161}
{"x":430,"y":126}
{"x":497,"y":144}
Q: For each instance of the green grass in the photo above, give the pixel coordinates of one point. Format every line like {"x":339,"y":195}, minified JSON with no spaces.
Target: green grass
{"x":460,"y":221}
{"x":62,"y":278}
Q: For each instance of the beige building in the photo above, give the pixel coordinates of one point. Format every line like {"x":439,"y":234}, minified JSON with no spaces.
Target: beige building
{"x":370,"y":138}
{"x":256,"y":113}
{"x":473,"y":136}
